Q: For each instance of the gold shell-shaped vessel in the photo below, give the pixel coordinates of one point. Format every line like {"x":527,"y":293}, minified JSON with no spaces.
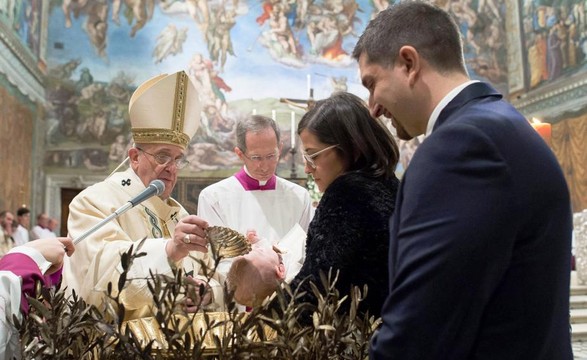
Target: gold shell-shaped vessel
{"x":227,"y":243}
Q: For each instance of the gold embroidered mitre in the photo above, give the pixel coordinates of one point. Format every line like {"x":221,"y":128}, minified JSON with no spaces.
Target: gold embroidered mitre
{"x":165,"y":110}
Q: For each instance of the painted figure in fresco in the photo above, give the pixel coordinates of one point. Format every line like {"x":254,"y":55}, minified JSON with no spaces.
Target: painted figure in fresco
{"x":198,"y":70}
{"x":95,"y":159}
{"x":96,"y":25}
{"x":555,"y":55}
{"x":216,"y":121}
{"x":196,"y":9}
{"x":69,"y":6}
{"x":85,"y":79}
{"x":7,"y":8}
{"x":327,"y":25}
{"x":281,"y":31}
{"x":28,"y":25}
{"x":339,"y":83}
{"x":98,"y":126}
{"x":211,"y":84}
{"x":324,"y":35}
{"x":466,"y":19}
{"x":218,"y":85}
{"x":169,"y":42}
{"x":64,"y":71}
{"x":142,"y":11}
{"x":218,"y":36}
{"x":493,"y":8}
{"x":535,"y":56}
{"x":118,"y":149}
{"x":379,"y":5}
{"x":301,"y":8}
{"x":279,"y":38}
{"x":208,"y":156}
{"x":267,"y":9}
{"x":69,"y":118}
{"x":558,"y":28}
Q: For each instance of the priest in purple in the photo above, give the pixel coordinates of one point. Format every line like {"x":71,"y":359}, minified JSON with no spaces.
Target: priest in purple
{"x":255,"y":198}
{"x":20,"y":269}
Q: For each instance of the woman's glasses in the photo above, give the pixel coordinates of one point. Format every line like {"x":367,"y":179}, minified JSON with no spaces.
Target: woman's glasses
{"x":310,"y":158}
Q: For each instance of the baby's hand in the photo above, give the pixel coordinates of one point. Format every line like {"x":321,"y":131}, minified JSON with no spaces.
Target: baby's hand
{"x":252,"y":236}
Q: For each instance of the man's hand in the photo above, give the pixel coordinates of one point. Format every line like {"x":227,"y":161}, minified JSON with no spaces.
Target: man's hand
{"x":199,"y":295}
{"x":188,"y":236}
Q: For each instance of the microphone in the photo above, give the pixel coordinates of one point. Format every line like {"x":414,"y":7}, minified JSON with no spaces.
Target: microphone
{"x":156,"y":187}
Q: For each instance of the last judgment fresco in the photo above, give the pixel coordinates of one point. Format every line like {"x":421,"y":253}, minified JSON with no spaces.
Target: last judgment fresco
{"x":245,"y":56}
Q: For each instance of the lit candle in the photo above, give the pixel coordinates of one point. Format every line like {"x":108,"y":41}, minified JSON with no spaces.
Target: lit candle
{"x":254,"y":111}
{"x":273,"y":114}
{"x":309,"y":83}
{"x":543,"y":129}
{"x":293,"y":129}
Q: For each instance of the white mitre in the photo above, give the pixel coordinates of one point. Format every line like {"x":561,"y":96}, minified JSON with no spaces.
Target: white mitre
{"x":165,"y":109}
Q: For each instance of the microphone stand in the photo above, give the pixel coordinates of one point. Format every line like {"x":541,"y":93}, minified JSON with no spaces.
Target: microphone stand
{"x":156,"y":187}
{"x":103,"y":222}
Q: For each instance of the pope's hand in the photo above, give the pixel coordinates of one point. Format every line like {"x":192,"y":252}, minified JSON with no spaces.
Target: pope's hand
{"x":199,"y":294}
{"x":189,"y":235}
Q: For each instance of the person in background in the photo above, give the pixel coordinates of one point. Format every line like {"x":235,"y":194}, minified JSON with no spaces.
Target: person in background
{"x":53,"y":226}
{"x":352,"y":157}
{"x":20,"y":269}
{"x":164,"y":114}
{"x":6,"y":239}
{"x":256,"y":198}
{"x":480,"y":241}
{"x":41,"y":230}
{"x":21,"y":236}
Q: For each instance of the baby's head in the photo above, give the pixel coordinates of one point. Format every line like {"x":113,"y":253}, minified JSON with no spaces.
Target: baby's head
{"x":256,"y":275}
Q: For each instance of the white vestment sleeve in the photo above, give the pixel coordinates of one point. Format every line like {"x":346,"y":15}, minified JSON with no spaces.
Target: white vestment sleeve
{"x":10,"y":294}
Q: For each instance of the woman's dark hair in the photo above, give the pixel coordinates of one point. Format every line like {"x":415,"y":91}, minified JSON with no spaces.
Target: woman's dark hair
{"x":365,"y":143}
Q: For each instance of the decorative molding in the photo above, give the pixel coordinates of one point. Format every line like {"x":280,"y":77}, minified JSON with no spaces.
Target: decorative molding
{"x":19,"y":76}
{"x":19,"y":66}
{"x":44,"y":32}
{"x":555,"y":101}
{"x":21,"y":52}
{"x":515,"y":56}
{"x":54,"y":184}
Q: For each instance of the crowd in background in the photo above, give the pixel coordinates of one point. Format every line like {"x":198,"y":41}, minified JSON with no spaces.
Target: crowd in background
{"x":17,"y":230}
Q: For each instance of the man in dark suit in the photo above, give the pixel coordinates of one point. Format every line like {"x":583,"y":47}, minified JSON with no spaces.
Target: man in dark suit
{"x":481,"y":234}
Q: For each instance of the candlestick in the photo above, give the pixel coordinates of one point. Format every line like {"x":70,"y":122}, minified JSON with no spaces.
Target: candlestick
{"x":273,"y":114}
{"x":543,"y":129}
{"x":293,"y":129}
{"x":293,"y":174}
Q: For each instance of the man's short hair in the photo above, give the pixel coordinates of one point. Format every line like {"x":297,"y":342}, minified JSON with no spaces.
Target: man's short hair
{"x":22,"y":211}
{"x":426,"y":27}
{"x":254,"y":123}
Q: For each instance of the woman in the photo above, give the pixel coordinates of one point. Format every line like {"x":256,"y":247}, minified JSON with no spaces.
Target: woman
{"x":352,"y":158}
